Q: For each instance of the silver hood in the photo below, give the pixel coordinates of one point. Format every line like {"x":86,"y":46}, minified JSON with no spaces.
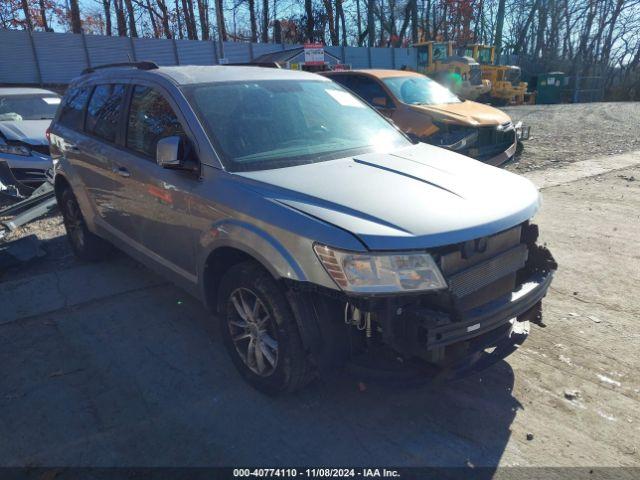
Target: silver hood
{"x":417,"y":197}
{"x":31,"y":132}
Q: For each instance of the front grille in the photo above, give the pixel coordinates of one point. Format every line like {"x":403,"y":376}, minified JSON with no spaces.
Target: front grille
{"x":483,"y":270}
{"x":479,"y":276}
{"x":492,"y":141}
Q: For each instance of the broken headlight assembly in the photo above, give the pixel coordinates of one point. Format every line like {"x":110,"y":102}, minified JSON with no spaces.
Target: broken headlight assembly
{"x":15,"y":149}
{"x":371,"y":273}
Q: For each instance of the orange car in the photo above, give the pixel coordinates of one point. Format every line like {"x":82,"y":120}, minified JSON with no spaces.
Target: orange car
{"x":430,"y":113}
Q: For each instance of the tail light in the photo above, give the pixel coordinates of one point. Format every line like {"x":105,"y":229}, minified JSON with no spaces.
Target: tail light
{"x":47,"y":134}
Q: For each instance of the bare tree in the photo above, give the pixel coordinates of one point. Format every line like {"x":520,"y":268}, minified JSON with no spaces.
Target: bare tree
{"x":133,"y":31}
{"x":265,"y":20}
{"x":106,"y":5}
{"x":222,"y":30}
{"x":43,"y":15}
{"x":310,"y":27}
{"x":203,"y":10}
{"x":121,"y":21}
{"x":371,"y":24}
{"x":76,"y":23}
{"x":253,"y":21}
{"x":27,"y":14}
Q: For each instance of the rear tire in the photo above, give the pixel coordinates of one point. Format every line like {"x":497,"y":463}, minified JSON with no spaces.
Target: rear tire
{"x":85,"y":245}
{"x":260,"y":331}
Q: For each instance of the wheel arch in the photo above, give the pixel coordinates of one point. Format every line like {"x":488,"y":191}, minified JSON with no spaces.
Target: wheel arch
{"x":231,"y":242}
{"x":60,"y":183}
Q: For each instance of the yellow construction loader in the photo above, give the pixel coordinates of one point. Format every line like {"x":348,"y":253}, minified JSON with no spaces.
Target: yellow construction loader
{"x":462,"y":75}
{"x":506,"y":86}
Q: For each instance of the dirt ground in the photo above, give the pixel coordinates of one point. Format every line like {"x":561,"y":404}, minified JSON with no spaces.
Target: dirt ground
{"x":106,"y":364}
{"x":562,"y":134}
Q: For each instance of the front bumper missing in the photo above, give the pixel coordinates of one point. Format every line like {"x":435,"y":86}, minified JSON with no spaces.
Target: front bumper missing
{"x":490,"y":316}
{"x":482,"y":339}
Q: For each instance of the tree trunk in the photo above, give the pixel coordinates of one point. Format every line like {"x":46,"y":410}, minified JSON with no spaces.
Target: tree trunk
{"x":343,"y":21}
{"x":120,"y":17}
{"x":525,"y":28}
{"x":43,"y":16}
{"x":333,"y":35}
{"x":222,"y":30}
{"x":265,"y":21}
{"x":27,"y":14}
{"x":152,"y":19}
{"x":186,"y":12}
{"x":178,"y":20}
{"x":253,"y":21}
{"x":203,"y":11}
{"x":371,"y":24}
{"x":133,"y":31}
{"x":76,"y":23}
{"x":308,"y":8}
{"x":414,"y":22}
{"x":499,"y":27}
{"x":106,"y":5}
{"x":359,"y":20}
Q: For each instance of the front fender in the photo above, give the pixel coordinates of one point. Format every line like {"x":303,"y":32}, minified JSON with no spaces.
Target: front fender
{"x":253,"y":241}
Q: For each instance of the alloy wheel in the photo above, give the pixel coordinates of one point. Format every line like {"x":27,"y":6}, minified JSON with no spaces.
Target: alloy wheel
{"x":73,"y":223}
{"x":253,"y":332}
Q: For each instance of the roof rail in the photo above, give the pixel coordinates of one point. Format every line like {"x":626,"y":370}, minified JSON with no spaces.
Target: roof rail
{"x":146,"y":65}
{"x":254,"y":64}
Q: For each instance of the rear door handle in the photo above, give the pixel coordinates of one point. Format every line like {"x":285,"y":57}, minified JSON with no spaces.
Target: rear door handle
{"x":123,"y":172}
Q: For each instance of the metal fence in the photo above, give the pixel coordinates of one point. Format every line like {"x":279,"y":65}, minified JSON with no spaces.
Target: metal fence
{"x":56,"y":58}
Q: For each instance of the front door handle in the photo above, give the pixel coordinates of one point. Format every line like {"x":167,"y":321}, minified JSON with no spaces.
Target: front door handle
{"x":123,"y":172}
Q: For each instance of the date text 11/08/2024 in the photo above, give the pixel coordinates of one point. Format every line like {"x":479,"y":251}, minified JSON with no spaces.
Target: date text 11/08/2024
{"x":315,"y":472}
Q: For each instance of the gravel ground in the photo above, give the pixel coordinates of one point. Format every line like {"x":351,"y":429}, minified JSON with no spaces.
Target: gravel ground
{"x":562,"y":134}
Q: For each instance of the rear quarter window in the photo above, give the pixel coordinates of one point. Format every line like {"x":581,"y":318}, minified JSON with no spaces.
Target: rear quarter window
{"x":103,"y":112}
{"x":72,"y":109}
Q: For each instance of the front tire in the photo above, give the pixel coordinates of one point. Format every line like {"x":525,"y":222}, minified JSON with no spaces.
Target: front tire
{"x":85,"y":245}
{"x":260,"y":331}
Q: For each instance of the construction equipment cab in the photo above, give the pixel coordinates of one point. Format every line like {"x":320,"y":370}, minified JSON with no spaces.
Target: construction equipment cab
{"x":462,"y":75}
{"x":506,"y":87}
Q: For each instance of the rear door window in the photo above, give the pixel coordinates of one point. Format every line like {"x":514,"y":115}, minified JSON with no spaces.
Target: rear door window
{"x":103,"y":112}
{"x":150,"y":119}
{"x":72,"y":111}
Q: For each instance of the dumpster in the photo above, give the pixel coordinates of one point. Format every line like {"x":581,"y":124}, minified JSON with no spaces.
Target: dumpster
{"x":549,"y":87}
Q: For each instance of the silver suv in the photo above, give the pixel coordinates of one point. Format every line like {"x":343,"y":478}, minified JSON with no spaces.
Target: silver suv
{"x":316,"y":230}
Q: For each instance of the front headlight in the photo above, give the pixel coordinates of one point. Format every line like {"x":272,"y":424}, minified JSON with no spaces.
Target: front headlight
{"x":380,"y":272}
{"x":15,"y":150}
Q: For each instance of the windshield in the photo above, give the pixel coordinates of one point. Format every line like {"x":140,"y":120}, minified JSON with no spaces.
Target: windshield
{"x":513,"y":75}
{"x":416,"y":90}
{"x":484,"y":56}
{"x":280,"y":123}
{"x":28,"y":107}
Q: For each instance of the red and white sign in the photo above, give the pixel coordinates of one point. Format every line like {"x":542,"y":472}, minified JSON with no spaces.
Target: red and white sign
{"x":313,"y":54}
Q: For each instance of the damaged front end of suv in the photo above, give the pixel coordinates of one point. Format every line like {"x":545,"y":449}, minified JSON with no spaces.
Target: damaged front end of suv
{"x":478,"y":300}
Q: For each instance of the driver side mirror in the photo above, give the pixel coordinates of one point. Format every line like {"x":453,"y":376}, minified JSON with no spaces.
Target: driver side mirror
{"x":176,"y":153}
{"x":168,"y":152}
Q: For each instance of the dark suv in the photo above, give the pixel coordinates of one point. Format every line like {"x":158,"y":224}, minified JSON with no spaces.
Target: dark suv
{"x":317,"y":231}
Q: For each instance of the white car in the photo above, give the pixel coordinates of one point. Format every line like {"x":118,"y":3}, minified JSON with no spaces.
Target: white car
{"x":25,"y":115}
